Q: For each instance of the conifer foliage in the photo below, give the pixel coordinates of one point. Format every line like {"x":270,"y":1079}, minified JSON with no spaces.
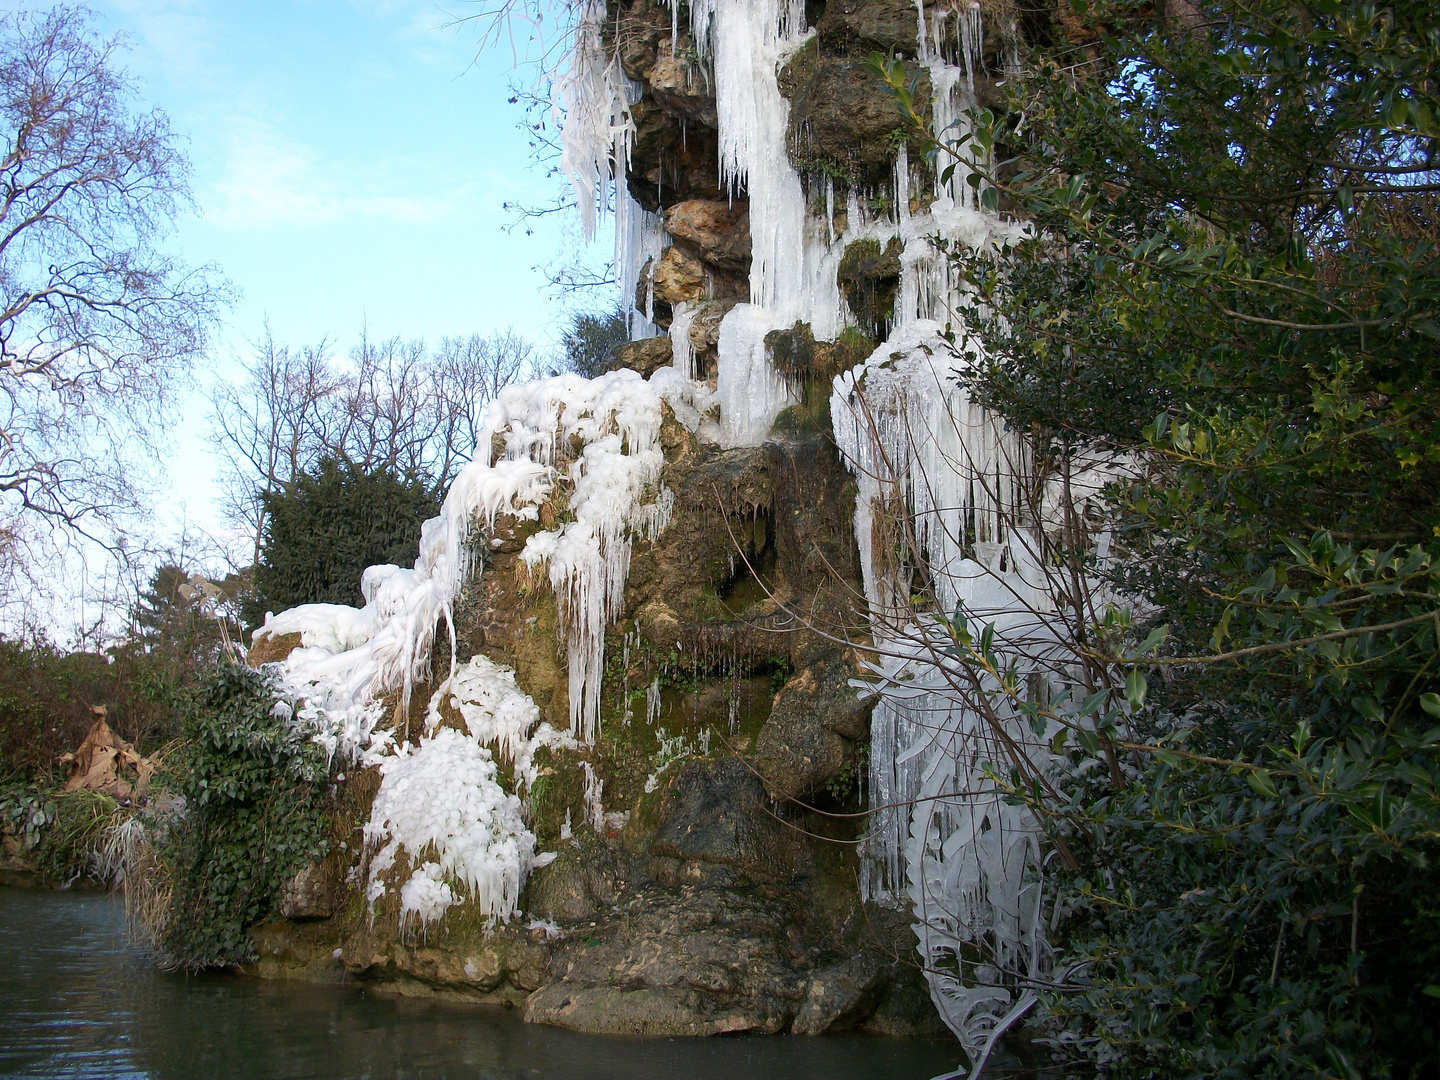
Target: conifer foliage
{"x":330,"y":523}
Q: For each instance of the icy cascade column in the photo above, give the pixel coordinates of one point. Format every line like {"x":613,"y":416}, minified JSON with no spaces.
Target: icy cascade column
{"x":967,"y":863}
{"x":615,"y":495}
{"x":594,"y":96}
{"x":747,"y":41}
{"x":640,"y":238}
{"x":682,"y":350}
{"x":596,"y":132}
{"x":906,"y":426}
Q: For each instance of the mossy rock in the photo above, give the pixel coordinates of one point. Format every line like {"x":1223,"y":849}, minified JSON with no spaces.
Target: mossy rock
{"x":869,"y":278}
{"x":859,"y":26}
{"x":809,"y":367}
{"x":842,"y":122}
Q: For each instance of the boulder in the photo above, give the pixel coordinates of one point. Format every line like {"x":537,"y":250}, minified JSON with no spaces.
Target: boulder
{"x":840,"y":994}
{"x":860,"y":26}
{"x":810,"y":734}
{"x":716,"y":830}
{"x":719,"y":229}
{"x":314,"y":892}
{"x":647,"y":356}
{"x":693,"y":962}
{"x":575,"y":885}
{"x":680,"y":276}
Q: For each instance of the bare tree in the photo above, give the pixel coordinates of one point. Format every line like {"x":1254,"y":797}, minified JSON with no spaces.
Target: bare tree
{"x":397,"y":405}
{"x":95,"y":323}
{"x":468,"y":373}
{"x":271,"y":426}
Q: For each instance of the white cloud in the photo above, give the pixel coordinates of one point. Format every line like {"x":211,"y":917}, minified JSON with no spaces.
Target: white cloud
{"x":270,"y":181}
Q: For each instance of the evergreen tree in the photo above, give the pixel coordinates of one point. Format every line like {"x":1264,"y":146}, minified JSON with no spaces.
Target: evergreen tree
{"x":330,"y":523}
{"x":593,"y":340}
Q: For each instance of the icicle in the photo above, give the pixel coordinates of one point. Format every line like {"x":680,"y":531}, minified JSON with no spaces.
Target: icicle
{"x":751,"y":393}
{"x":594,"y":806}
{"x":830,"y":208}
{"x":972,"y":42}
{"x":682,"y":351}
{"x":595,"y":97}
{"x":640,"y":238}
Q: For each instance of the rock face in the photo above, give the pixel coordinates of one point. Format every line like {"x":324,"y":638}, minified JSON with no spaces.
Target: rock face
{"x":315,"y":892}
{"x":815,"y":723}
{"x":869,"y":277}
{"x":646,"y":356}
{"x":712,"y":902}
{"x":718,"y":893}
{"x":720,"y":230}
{"x":859,"y":26}
{"x":842,"y":122}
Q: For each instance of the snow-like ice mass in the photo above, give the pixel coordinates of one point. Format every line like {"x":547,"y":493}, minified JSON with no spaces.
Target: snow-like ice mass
{"x":442,"y":798}
{"x":441,"y":802}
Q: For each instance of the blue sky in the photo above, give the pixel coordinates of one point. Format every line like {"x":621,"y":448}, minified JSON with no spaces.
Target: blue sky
{"x":351,"y":159}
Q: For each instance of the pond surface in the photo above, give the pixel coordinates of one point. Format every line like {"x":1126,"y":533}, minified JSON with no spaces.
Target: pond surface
{"x":77,"y":1001}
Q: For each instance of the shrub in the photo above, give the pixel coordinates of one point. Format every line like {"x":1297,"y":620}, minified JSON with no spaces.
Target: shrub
{"x":327,"y":525}
{"x":253,"y":788}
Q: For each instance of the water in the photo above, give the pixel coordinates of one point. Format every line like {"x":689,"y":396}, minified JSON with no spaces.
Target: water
{"x":77,"y":1001}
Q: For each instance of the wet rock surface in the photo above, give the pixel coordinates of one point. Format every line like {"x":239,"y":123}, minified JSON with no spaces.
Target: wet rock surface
{"x":714,"y":817}
{"x":869,"y":278}
{"x":813,"y":728}
{"x":719,"y":230}
{"x":315,"y":892}
{"x":646,"y":356}
{"x":842,"y":122}
{"x":859,"y":26}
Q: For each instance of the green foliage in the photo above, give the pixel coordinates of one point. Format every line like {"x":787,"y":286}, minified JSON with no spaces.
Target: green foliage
{"x":254,"y":789}
{"x":850,"y":779}
{"x":324,"y":528}
{"x":593,"y":340}
{"x":1234,"y":271}
{"x":64,"y":830}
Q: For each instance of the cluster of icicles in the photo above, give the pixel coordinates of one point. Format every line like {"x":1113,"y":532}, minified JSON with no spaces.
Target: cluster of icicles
{"x":968,"y":863}
{"x":440,"y":801}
